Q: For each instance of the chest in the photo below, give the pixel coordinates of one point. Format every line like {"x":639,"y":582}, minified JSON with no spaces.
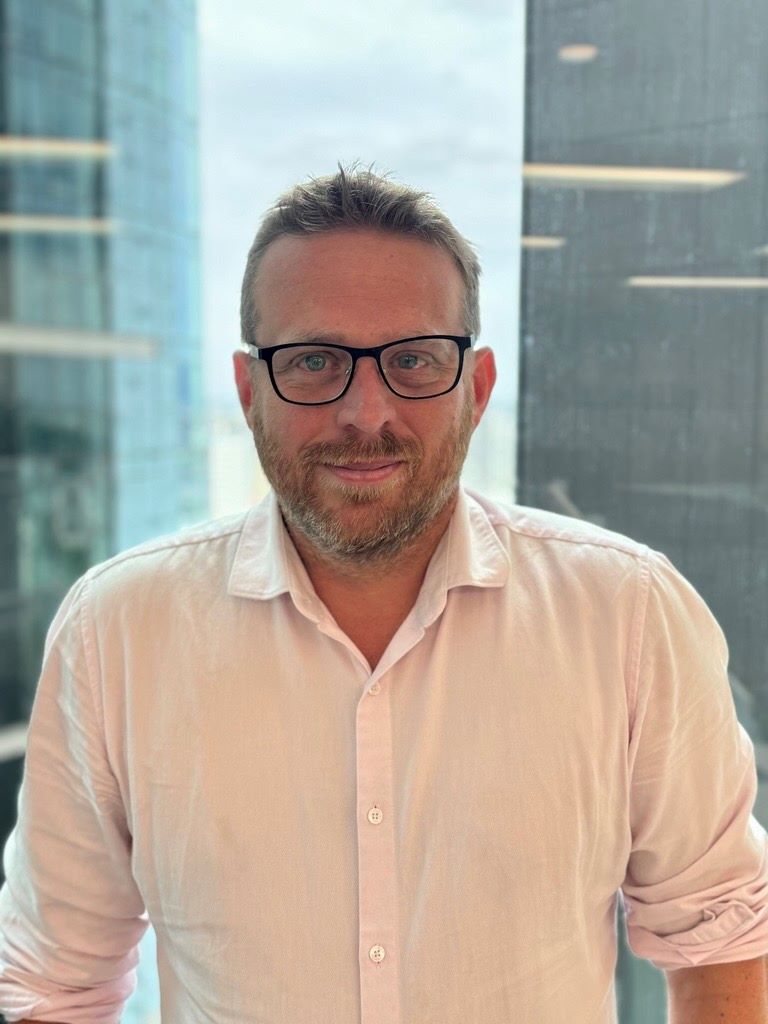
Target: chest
{"x":368,"y":621}
{"x":370,"y":635}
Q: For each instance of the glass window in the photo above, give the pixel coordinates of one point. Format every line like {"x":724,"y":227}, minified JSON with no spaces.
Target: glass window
{"x":643,"y":341}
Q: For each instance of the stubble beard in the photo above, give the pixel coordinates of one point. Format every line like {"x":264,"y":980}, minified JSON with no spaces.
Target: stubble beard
{"x":372,"y":528}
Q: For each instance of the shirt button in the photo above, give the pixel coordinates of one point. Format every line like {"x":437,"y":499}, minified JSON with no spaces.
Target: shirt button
{"x":375,"y":816}
{"x":377,"y":953}
{"x":374,"y":688}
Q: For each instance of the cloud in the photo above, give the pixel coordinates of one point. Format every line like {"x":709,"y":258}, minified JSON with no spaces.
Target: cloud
{"x":303,"y":32}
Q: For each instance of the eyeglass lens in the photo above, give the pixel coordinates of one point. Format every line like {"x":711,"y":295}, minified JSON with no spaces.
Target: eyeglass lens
{"x":413,"y":369}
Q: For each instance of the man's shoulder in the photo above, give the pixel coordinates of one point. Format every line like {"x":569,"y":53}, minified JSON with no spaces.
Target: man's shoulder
{"x":202,"y":547}
{"x":149,"y":581}
{"x":554,"y":528}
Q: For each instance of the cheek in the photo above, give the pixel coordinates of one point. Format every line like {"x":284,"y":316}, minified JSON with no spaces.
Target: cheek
{"x":441,"y":423}
{"x":295,"y":429}
{"x":260,"y":398}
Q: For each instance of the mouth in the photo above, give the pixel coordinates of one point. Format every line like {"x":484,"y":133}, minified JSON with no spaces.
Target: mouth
{"x":364,"y":471}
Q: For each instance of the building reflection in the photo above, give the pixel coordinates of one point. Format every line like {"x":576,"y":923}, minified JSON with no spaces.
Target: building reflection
{"x":643,"y":343}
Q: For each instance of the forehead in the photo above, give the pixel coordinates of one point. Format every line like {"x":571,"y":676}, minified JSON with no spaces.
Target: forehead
{"x":360,"y":281}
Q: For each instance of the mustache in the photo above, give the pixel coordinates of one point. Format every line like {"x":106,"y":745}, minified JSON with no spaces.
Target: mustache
{"x":385,"y":447}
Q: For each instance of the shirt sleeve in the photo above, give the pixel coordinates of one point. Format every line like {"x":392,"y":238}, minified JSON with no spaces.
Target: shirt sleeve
{"x":696,"y":886}
{"x":71,"y":916}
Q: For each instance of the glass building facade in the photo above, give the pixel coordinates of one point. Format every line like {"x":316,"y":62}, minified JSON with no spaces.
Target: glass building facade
{"x":101,"y":396}
{"x":644,"y":354}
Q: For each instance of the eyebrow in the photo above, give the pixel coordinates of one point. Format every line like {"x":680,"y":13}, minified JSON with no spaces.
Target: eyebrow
{"x":337,"y":338}
{"x":318,"y":338}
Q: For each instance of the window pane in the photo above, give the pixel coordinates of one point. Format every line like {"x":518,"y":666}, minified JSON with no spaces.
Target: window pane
{"x":643,"y":354}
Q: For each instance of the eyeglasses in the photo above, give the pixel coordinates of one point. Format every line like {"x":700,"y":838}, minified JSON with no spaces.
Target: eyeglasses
{"x":316,"y":374}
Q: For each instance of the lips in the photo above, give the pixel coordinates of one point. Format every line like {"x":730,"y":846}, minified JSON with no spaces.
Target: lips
{"x":365,"y":465}
{"x":365,"y":472}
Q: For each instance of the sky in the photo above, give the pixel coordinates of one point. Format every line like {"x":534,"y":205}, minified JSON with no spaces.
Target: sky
{"x":428,"y":90}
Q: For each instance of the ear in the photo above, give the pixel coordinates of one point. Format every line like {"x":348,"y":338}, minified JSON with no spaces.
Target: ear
{"x":483,"y":379}
{"x":244,"y":383}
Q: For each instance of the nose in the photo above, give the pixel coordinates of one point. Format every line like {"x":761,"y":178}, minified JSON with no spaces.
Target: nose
{"x":368,"y":405}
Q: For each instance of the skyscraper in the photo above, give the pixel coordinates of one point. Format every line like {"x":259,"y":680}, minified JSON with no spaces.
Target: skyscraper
{"x":101,"y":396}
{"x":644,"y":356}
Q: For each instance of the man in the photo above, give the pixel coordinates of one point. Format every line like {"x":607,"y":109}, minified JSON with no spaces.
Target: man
{"x":380,"y":749}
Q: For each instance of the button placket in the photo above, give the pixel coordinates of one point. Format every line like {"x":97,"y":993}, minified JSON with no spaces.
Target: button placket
{"x":377,"y":874}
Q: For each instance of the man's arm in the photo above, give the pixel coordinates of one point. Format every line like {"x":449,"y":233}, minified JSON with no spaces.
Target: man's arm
{"x":735,"y":993}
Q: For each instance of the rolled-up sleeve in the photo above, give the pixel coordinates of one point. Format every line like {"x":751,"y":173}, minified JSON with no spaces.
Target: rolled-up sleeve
{"x":71,"y":916}
{"x":696,"y":886}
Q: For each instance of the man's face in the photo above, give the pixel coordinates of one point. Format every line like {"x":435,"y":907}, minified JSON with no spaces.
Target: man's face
{"x":367,"y":288}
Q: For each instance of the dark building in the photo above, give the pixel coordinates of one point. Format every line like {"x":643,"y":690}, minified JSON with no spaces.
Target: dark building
{"x":644,"y":355}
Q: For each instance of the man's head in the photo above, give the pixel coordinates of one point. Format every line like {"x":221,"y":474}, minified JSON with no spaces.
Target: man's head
{"x":367,"y":261}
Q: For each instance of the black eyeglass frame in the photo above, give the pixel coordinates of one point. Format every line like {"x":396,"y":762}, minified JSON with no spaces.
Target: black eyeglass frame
{"x":464,"y":341}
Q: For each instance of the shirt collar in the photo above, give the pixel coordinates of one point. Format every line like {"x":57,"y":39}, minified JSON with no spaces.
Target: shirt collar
{"x":267,"y":564}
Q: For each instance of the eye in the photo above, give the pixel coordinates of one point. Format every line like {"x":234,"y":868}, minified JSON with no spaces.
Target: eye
{"x":407,"y":360}
{"x":314,"y":361}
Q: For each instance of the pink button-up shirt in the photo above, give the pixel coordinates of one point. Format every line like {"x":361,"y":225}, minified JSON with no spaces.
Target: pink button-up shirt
{"x":441,"y":840}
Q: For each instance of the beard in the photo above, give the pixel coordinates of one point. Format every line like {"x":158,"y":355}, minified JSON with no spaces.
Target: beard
{"x":377,"y":521}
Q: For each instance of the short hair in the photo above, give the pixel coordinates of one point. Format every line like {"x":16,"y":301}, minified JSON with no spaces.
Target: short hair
{"x":355,"y":198}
